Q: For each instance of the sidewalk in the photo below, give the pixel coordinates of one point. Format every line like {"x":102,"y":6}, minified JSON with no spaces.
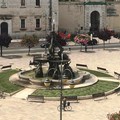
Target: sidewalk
{"x":23,"y":94}
{"x":18,"y":109}
{"x":112,"y":40}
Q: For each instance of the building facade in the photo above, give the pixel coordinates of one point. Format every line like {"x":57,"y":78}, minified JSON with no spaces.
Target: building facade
{"x":20,"y":17}
{"x":89,"y":15}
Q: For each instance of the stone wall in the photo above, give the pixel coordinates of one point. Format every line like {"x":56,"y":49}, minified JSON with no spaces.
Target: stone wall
{"x":11,"y":12}
{"x":75,"y":16}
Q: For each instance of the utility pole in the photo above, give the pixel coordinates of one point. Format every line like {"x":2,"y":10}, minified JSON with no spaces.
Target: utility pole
{"x":84,"y":15}
{"x":50,"y":15}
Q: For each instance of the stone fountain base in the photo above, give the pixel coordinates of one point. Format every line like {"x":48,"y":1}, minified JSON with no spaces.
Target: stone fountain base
{"x":84,"y":79}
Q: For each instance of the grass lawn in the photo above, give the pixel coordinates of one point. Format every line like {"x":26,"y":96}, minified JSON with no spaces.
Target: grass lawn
{"x":5,"y":84}
{"x":100,"y":86}
{"x":96,"y":73}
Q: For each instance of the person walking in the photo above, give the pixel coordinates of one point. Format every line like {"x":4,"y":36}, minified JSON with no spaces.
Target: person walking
{"x":64,"y":103}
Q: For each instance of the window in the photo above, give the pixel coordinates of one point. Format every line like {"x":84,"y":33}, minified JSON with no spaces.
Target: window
{"x":37,"y":2}
{"x":22,"y":2}
{"x":22,"y":23}
{"x":37,"y":23}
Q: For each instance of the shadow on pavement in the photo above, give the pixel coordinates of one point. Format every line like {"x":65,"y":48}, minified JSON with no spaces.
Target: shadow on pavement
{"x":12,"y":56}
{"x":89,"y":51}
{"x":111,"y":49}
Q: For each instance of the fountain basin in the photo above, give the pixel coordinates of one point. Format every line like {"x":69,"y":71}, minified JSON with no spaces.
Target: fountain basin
{"x":82,"y":79}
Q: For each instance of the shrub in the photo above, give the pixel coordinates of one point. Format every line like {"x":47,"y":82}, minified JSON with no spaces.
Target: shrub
{"x":29,"y":41}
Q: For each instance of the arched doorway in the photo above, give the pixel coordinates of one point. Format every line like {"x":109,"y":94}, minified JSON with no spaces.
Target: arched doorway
{"x":4,"y":28}
{"x":95,"y":21}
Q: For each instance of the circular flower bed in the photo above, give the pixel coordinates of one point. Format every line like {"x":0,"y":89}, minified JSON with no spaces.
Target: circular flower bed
{"x":82,"y":39}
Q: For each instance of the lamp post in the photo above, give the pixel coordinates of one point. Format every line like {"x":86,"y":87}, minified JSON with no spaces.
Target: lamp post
{"x":50,"y":15}
{"x":84,"y":15}
{"x":45,"y":23}
{"x":61,"y":93}
{"x":64,"y":78}
{"x":57,"y":62}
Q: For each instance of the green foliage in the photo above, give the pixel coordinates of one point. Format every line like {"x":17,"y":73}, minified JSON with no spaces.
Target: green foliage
{"x":114,"y":116}
{"x":72,"y":37}
{"x":5,"y":40}
{"x":117,"y":35}
{"x":29,"y":41}
{"x":96,"y":73}
{"x":5,"y":84}
{"x":100,"y":86}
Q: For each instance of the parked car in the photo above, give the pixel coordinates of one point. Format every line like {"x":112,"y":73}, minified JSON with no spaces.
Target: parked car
{"x":91,"y":42}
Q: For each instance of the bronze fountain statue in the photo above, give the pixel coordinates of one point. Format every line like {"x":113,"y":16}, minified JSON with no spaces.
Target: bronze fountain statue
{"x":58,"y":70}
{"x":55,"y":58}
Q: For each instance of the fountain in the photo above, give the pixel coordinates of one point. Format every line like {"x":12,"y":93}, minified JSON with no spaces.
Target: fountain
{"x":58,"y":66}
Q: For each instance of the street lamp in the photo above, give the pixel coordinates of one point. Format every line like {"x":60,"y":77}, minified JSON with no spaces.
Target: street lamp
{"x":45,"y":23}
{"x":64,"y":79}
{"x":58,"y":64}
{"x":61,"y":90}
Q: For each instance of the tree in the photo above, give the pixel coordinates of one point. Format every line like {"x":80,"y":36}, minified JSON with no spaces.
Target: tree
{"x":117,"y":35}
{"x":5,"y":40}
{"x":29,"y":41}
{"x":82,"y":39}
{"x":105,"y":35}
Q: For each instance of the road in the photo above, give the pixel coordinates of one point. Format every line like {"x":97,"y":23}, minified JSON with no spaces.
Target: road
{"x":16,"y":48}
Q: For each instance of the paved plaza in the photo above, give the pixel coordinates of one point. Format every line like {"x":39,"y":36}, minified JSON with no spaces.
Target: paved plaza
{"x":17,"y":108}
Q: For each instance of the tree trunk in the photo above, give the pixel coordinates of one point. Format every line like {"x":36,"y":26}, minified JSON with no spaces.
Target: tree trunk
{"x":81,"y":47}
{"x":29,"y":50}
{"x":1,"y":50}
{"x":103,"y":44}
{"x":85,"y":48}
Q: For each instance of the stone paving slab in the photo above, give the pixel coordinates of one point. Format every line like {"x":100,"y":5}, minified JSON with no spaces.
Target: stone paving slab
{"x":109,"y":79}
{"x":17,"y":109}
{"x":23,"y":94}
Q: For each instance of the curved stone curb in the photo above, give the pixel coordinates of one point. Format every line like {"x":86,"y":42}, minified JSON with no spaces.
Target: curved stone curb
{"x":81,"y":97}
{"x":84,"y":97}
{"x":15,"y":78}
{"x":24,"y":81}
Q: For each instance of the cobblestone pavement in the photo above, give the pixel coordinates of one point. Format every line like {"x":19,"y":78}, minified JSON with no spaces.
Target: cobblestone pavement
{"x":18,"y":109}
